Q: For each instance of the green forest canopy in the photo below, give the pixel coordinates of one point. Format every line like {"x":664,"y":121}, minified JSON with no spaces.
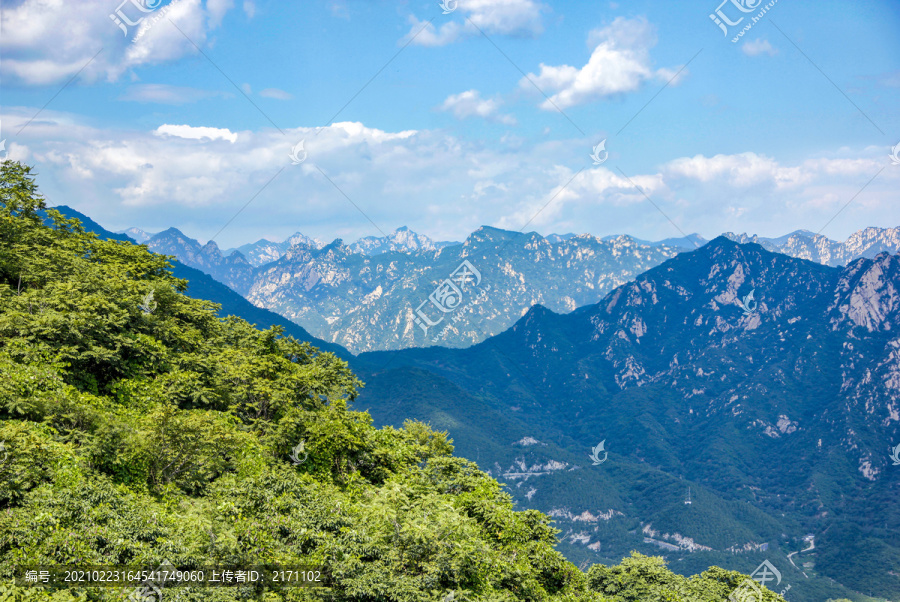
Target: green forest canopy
{"x":140,"y":428}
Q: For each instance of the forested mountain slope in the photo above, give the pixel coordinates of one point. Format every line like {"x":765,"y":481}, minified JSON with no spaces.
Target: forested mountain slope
{"x":141,"y":428}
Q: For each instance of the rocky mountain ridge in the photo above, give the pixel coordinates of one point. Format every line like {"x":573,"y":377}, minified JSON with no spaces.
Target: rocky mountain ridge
{"x":401,"y":240}
{"x":383,"y":293}
{"x":265,"y":251}
{"x":396,"y":300}
{"x":804,"y":244}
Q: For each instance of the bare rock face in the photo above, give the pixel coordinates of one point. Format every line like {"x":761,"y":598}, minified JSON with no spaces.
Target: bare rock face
{"x":466,"y":292}
{"x":873,"y":296}
{"x":803,"y":244}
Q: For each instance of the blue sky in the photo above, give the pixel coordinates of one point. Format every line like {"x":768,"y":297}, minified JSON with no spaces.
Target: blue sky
{"x":775,"y":132}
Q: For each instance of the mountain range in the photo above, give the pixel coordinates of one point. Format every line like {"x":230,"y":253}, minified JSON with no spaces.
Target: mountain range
{"x":397,"y":300}
{"x":265,"y":251}
{"x":768,"y":385}
{"x":382,"y":293}
{"x":867,"y":242}
{"x":363,"y":299}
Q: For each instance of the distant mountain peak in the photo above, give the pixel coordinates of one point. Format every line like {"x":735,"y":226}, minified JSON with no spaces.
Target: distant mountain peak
{"x":403,"y":240}
{"x":490,"y":233}
{"x":556,"y":238}
{"x":265,"y":251}
{"x":171,"y":231}
{"x":141,"y":236}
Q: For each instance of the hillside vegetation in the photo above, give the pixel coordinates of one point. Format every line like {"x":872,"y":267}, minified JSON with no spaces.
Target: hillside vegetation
{"x":139,"y":429}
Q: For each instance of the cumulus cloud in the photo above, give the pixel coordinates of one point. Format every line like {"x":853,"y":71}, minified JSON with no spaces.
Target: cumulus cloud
{"x":424,"y":33}
{"x":518,"y":18}
{"x":471,"y":104}
{"x":575,"y":196}
{"x":196,"y":177}
{"x":507,"y":17}
{"x":48,"y":41}
{"x":196,"y":133}
{"x":757,"y":47}
{"x":620,"y":63}
{"x":740,"y":171}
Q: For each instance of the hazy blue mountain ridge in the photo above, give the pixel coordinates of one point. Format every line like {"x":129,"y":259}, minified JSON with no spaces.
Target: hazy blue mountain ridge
{"x":382,"y":293}
{"x":780,"y":417}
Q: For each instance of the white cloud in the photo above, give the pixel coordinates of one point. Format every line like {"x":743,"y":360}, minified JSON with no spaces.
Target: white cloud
{"x":249,"y":8}
{"x":49,"y":41}
{"x":353,"y":130}
{"x":276,"y":94}
{"x":508,"y":17}
{"x":578,"y":196}
{"x":741,"y":171}
{"x":424,"y":33}
{"x":757,"y":47}
{"x":518,"y":18}
{"x":471,"y":104}
{"x":217,"y":10}
{"x":619,"y":63}
{"x":196,"y":178}
{"x":196,"y":133}
{"x":749,"y":169}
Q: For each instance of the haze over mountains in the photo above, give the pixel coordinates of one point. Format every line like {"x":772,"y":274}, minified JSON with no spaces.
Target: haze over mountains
{"x":402,"y":240}
{"x":807,"y":245}
{"x":779,"y":412}
{"x":377,"y":293}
